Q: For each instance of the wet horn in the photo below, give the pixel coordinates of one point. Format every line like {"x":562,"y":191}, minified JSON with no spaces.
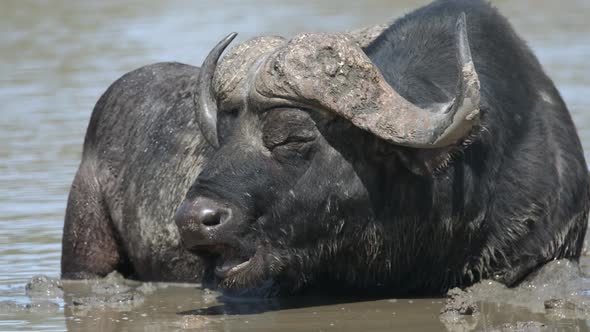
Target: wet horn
{"x":206,"y":103}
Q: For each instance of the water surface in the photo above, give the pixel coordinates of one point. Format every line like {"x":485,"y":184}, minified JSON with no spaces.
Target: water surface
{"x":57,"y":57}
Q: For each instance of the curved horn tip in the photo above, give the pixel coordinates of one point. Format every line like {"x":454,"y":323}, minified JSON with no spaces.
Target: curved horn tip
{"x":464,"y":50}
{"x":216,"y":52}
{"x":229,"y":38}
{"x":466,"y":105}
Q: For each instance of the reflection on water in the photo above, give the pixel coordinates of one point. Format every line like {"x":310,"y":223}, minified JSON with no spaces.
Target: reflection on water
{"x":59,"y":56}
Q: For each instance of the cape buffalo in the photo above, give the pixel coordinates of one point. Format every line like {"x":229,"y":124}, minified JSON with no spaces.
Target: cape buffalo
{"x":438,"y":155}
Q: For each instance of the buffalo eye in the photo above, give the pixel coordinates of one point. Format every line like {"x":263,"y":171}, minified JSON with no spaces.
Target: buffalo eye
{"x":288,"y":133}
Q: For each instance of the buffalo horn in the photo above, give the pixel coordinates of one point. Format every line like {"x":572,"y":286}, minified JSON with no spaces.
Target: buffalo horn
{"x":331,"y":72}
{"x":206,"y":103}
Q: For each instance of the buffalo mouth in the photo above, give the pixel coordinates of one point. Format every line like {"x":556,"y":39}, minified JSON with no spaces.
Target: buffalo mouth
{"x":236,"y":269}
{"x":226,"y":267}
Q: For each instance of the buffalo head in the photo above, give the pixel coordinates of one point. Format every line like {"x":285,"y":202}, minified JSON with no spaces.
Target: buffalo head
{"x":298,"y":180}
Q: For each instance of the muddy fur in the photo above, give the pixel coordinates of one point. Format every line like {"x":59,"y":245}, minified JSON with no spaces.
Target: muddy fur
{"x":141,"y":153}
{"x":318,"y":203}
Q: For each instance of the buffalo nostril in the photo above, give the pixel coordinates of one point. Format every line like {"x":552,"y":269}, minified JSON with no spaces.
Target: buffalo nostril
{"x":210,"y":217}
{"x":199,"y":221}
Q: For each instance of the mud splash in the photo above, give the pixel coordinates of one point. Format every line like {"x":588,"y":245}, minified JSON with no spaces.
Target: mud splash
{"x":558,"y":295}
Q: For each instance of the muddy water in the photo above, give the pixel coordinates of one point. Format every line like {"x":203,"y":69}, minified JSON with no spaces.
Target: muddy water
{"x":57,"y":57}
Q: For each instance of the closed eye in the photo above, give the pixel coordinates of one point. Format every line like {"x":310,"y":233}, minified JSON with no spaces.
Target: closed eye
{"x":290,"y":129}
{"x":302,"y":136}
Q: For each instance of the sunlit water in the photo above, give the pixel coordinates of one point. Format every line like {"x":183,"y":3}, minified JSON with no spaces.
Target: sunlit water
{"x":57,"y":57}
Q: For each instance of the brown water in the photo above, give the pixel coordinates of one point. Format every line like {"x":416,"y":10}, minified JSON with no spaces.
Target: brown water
{"x":57,"y":57}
